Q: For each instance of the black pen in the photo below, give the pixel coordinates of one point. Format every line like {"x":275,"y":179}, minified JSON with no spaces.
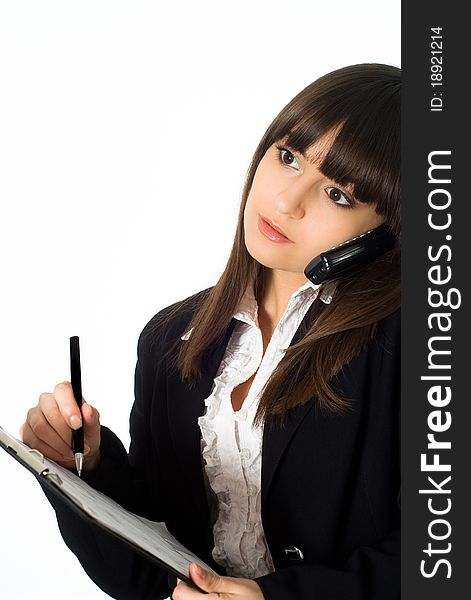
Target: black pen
{"x":76,"y":380}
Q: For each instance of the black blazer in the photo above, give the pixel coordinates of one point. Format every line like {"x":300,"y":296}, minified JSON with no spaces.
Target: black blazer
{"x":330,"y":484}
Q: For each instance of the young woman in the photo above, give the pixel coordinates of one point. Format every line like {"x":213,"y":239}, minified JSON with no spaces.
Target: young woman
{"x":265,"y":427}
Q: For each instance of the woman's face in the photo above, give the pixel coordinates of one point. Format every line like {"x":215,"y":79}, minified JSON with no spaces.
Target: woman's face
{"x":312,"y":211}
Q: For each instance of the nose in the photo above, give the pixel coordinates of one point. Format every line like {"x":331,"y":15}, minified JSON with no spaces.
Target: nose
{"x":292,"y":199}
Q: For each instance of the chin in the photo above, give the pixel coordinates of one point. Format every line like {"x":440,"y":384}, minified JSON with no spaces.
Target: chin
{"x":265,"y":257}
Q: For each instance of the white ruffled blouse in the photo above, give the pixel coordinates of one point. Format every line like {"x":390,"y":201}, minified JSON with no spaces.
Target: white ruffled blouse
{"x":231,"y":446}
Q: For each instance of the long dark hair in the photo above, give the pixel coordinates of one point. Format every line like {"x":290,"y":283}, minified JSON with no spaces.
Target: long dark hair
{"x":362,"y":104}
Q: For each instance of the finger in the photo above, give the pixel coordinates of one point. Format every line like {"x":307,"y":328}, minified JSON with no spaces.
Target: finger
{"x":29,"y":438}
{"x":67,"y":404}
{"x":43,"y":431}
{"x":183,"y":591}
{"x":211,"y":582}
{"x":91,"y":425}
{"x":50,"y":409}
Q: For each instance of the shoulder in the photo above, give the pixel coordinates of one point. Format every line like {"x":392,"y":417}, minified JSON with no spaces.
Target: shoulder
{"x":386,"y":346}
{"x":392,"y":321}
{"x":170,"y":322}
{"x":389,"y":328}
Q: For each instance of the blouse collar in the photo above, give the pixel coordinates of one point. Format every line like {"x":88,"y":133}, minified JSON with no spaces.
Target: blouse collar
{"x":247,"y":308}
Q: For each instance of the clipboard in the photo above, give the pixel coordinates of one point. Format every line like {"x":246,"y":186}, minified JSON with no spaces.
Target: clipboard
{"x":148,"y":538}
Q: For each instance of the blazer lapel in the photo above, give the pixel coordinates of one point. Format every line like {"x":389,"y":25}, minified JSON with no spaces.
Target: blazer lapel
{"x":276,"y":440}
{"x":185,"y":405}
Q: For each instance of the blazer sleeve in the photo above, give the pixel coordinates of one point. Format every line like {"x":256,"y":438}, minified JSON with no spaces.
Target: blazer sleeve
{"x":111,"y":564}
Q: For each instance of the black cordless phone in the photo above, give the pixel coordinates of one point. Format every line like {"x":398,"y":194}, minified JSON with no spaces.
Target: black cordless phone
{"x":351,"y":254}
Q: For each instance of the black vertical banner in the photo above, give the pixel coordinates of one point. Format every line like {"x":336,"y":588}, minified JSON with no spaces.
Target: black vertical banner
{"x":436,"y":251}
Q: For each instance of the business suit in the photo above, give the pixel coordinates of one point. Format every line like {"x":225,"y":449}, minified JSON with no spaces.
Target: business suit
{"x":330,"y":484}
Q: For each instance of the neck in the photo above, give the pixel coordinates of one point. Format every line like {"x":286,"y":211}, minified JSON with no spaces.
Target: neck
{"x":279,"y":287}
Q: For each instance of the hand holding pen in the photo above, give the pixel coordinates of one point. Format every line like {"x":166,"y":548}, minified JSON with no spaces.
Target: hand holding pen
{"x":48,"y":426}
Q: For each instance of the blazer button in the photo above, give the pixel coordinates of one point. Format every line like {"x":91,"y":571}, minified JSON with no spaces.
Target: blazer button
{"x":293,"y":553}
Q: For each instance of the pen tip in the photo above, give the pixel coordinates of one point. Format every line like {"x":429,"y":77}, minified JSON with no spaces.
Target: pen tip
{"x":79,"y":463}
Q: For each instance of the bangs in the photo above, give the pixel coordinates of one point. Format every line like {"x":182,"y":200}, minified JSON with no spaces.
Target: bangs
{"x":361,"y":110}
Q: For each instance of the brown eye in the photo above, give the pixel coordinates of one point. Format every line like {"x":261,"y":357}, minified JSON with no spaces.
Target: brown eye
{"x":339,"y":197}
{"x":286,"y":157}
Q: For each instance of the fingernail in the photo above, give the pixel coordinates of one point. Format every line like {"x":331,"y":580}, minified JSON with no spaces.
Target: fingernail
{"x":75,"y":422}
{"x":86,"y":448}
{"x":200,"y":571}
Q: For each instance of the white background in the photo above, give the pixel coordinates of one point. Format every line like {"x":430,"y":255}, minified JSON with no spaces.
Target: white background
{"x":126,"y":130}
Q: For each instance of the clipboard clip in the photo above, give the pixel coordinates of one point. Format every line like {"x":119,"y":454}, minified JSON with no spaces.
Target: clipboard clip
{"x":53,"y":476}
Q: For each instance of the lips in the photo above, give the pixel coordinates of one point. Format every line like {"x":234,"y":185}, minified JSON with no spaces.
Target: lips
{"x":275,"y":227}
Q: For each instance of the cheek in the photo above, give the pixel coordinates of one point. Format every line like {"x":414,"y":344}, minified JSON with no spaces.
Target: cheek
{"x":248,"y":208}
{"x":253,"y":206}
{"x":249,"y":220}
{"x":324,"y":232}
{"x":263,"y":187}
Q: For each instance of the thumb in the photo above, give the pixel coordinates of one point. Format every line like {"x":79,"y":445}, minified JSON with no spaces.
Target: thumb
{"x":207,"y":581}
{"x":91,"y":426}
